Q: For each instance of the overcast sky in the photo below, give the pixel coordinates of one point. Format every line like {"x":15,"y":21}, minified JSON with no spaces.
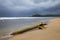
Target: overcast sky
{"x":28,"y":7}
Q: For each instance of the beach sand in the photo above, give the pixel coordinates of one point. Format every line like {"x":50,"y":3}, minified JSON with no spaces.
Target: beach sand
{"x":52,"y":32}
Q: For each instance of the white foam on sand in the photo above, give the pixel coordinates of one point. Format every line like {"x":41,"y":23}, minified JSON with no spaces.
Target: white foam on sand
{"x":6,"y":36}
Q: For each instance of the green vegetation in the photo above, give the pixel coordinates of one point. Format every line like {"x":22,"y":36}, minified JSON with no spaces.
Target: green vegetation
{"x":47,"y":15}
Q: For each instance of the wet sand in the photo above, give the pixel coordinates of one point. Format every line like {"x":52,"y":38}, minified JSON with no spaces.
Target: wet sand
{"x":52,"y":32}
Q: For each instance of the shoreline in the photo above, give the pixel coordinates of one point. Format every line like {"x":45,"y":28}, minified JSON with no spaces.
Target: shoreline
{"x":51,"y":33}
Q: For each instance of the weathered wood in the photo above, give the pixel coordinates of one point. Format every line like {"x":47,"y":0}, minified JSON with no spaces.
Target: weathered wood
{"x":30,"y":28}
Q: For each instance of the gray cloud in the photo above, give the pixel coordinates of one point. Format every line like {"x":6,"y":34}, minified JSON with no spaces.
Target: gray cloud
{"x":19,"y":7}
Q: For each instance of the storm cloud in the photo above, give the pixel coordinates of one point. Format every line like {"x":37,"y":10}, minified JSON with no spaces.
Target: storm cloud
{"x":11,"y":8}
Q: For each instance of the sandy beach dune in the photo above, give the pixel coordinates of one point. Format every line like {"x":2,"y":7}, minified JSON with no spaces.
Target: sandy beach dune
{"x":51,"y":33}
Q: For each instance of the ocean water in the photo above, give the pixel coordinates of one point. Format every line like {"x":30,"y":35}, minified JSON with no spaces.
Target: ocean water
{"x":9,"y":25}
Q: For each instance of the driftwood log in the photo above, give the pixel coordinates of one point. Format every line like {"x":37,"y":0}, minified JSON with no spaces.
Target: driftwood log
{"x":39,"y":26}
